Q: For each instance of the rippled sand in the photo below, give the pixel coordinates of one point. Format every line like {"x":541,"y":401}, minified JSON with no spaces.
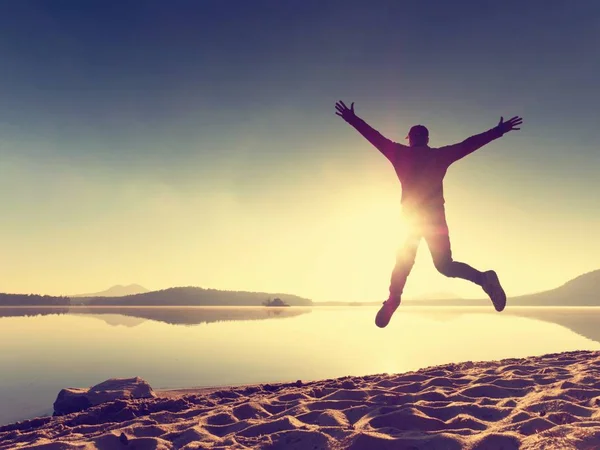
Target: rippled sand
{"x":546,"y":402}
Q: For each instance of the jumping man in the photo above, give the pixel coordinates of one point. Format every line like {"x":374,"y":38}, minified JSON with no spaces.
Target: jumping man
{"x":421,"y":171}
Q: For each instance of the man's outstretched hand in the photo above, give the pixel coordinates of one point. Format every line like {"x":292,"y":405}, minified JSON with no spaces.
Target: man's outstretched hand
{"x":344,"y":112}
{"x":509,"y":125}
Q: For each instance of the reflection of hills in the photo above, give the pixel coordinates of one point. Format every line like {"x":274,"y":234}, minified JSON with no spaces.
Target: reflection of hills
{"x":185,"y":315}
{"x":580,"y":320}
{"x":30,"y":311}
{"x":113,"y":319}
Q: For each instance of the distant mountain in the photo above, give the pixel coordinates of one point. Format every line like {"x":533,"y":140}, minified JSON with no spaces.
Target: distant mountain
{"x":581,"y":291}
{"x":117,"y":291}
{"x":338,"y":303}
{"x":436,"y":296}
{"x":419,"y":299}
{"x":195,"y":296}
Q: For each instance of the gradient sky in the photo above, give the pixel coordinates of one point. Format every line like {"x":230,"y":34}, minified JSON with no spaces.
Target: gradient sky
{"x":195,"y":142}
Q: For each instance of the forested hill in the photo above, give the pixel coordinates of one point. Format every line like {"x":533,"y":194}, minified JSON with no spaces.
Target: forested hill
{"x":32,"y":300}
{"x":194,"y":296}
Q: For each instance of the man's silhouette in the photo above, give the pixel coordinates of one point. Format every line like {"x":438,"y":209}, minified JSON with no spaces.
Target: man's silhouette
{"x":421,"y":171}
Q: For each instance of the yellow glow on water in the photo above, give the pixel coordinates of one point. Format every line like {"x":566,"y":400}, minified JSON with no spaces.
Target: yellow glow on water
{"x":43,"y":354}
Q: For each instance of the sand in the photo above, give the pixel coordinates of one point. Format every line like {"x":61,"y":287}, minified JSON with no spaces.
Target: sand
{"x":546,"y":402}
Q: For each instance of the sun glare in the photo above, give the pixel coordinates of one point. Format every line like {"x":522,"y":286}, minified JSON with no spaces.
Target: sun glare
{"x":361,"y":255}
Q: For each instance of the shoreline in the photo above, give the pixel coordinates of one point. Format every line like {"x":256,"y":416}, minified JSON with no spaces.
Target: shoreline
{"x":533,"y":402}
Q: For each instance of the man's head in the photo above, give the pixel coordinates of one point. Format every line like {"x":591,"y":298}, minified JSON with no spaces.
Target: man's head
{"x":418,"y":136}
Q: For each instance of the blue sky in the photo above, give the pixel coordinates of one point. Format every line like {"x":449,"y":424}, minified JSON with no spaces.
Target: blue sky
{"x":185,"y":142}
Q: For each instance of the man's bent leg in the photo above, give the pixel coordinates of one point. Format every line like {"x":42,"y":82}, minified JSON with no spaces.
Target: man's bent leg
{"x":438,"y":241}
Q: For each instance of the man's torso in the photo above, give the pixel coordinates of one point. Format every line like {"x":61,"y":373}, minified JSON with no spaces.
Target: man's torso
{"x":421,"y":172}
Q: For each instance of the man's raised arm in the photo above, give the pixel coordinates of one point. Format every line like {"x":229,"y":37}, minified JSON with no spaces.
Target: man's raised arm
{"x":462,"y":149}
{"x":383,"y":144}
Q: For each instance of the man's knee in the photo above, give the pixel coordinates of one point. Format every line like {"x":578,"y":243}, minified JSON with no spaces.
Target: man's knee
{"x":443,"y":265}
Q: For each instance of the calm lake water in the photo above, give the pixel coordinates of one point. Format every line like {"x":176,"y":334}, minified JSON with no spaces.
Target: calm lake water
{"x":45,"y":350}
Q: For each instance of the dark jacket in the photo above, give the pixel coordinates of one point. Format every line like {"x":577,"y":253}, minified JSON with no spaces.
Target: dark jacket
{"x":421,"y":169}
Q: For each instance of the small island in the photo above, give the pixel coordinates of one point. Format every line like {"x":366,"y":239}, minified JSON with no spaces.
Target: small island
{"x":275,"y":302}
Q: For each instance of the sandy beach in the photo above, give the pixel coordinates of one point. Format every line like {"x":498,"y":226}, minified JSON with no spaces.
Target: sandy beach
{"x":546,"y":402}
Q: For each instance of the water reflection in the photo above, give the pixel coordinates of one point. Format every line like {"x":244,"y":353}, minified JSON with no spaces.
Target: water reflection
{"x":580,"y":320}
{"x":188,"y":315}
{"x":133,"y":316}
{"x":577,"y":319}
{"x":43,"y":350}
{"x":31,"y":311}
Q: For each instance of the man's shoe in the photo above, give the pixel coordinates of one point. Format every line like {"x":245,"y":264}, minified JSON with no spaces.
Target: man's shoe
{"x":387,"y":310}
{"x":491,"y":286}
